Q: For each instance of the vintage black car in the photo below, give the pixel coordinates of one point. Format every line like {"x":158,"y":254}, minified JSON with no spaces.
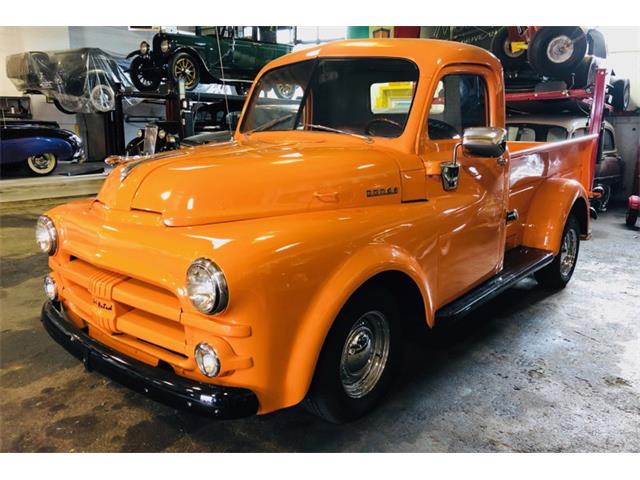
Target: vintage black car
{"x":80,"y":80}
{"x":231,"y":55}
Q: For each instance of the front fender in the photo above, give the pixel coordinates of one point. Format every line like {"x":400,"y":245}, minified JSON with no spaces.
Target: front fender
{"x":327,"y":303}
{"x":549,"y":210}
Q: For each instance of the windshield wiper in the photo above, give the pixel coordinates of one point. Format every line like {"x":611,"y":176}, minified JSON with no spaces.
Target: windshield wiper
{"x":272,"y":123}
{"x":366,"y":138}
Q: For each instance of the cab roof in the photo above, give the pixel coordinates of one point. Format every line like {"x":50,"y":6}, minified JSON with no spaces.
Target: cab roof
{"x":423,"y":52}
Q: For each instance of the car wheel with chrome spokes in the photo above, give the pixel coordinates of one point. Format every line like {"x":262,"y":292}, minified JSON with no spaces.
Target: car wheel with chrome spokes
{"x":557,"y":274}
{"x":358,"y":358}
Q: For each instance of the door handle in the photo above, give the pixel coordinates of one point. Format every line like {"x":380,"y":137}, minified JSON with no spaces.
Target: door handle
{"x":501,"y":161}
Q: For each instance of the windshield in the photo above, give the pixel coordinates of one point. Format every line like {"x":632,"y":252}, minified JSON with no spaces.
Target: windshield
{"x":362,"y":96}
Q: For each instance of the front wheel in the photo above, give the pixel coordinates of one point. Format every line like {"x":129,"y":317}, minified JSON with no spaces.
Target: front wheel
{"x":42,"y":164}
{"x":358,"y":358}
{"x":557,"y":274}
{"x":184,"y":66}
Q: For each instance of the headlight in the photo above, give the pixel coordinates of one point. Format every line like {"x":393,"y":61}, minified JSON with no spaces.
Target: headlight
{"x":46,"y":235}
{"x":164,"y":46}
{"x":171,"y":139}
{"x":207,"y":287}
{"x":144,"y":48}
{"x":161,"y":134}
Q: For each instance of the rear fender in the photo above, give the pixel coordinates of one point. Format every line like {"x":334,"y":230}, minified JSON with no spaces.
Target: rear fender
{"x":550,"y":207}
{"x":326,"y":305}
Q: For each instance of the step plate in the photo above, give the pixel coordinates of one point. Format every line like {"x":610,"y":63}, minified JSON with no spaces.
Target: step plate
{"x":518,"y":264}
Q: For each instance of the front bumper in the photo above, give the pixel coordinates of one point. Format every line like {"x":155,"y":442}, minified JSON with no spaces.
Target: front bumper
{"x":157,"y":383}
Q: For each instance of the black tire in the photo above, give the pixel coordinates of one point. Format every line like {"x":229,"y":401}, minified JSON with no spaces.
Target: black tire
{"x":621,"y":92}
{"x":184,"y":65}
{"x":143,"y":75}
{"x":327,"y":396}
{"x":545,"y":39}
{"x":632,"y":217}
{"x":284,"y":90}
{"x":41,"y":165}
{"x":597,"y":44}
{"x":59,"y":106}
{"x":501,"y":48}
{"x":584,"y":74}
{"x":555,"y":276}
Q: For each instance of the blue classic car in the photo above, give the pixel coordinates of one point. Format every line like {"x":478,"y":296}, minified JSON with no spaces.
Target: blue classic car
{"x":36,"y":147}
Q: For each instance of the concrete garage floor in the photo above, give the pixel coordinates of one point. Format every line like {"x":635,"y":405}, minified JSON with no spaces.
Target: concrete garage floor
{"x":532,"y":371}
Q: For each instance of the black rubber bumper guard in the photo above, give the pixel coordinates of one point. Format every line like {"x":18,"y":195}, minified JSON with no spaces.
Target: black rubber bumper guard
{"x":156,"y":383}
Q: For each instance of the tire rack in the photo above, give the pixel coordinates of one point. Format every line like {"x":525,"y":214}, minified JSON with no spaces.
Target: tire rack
{"x":595,"y":97}
{"x":177,"y":109}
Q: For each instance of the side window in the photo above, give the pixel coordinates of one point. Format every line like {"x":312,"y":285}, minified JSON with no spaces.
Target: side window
{"x":459,"y":102}
{"x":521,"y":133}
{"x":608,"y":144}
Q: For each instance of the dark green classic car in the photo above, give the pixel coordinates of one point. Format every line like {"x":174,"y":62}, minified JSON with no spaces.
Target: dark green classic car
{"x":197,"y":58}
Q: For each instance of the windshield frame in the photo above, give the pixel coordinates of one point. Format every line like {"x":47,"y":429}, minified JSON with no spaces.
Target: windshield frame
{"x":242,"y":130}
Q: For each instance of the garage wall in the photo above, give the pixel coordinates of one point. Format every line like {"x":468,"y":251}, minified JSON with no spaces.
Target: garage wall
{"x":21,"y":39}
{"x":623,"y":57}
{"x":119,"y":40}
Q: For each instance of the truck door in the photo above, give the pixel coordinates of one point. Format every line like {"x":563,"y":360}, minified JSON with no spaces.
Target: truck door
{"x":472,"y":217}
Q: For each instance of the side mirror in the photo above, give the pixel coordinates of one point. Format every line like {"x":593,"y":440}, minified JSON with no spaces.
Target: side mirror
{"x":476,"y":141}
{"x":232,"y":120}
{"x":484,"y":141}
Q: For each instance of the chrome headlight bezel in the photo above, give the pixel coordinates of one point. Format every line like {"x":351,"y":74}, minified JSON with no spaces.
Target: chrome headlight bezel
{"x":207,"y":287}
{"x":46,"y":235}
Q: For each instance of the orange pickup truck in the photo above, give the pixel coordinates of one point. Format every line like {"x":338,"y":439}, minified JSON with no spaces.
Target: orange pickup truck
{"x":284,"y":265}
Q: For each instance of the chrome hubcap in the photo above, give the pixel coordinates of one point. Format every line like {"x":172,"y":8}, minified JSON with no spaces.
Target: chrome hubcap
{"x":568,"y":252}
{"x":42,"y":163}
{"x":560,"y":49}
{"x":365,"y":354}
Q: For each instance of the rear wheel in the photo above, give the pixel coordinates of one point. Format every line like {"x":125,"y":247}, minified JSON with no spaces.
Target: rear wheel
{"x":556,"y":51}
{"x":501,"y":48}
{"x":143,"y":74}
{"x":557,"y":274}
{"x":42,"y":164}
{"x":621,"y":94}
{"x":358,"y":358}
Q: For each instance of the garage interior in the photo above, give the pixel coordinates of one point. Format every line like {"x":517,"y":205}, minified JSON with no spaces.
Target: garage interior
{"x":531,"y":371}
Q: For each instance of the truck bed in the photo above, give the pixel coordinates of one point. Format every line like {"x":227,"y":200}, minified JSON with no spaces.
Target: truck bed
{"x":534,"y":162}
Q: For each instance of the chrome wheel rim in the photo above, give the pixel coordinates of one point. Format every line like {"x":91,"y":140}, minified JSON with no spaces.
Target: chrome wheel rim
{"x":568,"y":252}
{"x":560,"y":49}
{"x":365,"y":354}
{"x":42,"y":164}
{"x":185,"y":69}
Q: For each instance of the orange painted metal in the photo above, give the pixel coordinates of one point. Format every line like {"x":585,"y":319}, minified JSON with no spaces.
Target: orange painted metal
{"x":286,"y":217}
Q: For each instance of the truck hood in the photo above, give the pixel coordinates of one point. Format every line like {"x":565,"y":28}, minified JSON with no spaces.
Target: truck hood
{"x":232,"y":181}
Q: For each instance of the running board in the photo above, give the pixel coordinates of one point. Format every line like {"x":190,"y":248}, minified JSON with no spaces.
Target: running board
{"x":518,"y":264}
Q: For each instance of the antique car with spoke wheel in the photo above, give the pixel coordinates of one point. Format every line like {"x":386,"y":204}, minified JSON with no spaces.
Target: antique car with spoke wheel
{"x":82,"y":80}
{"x":288,"y":265}
{"x":36,"y":147}
{"x":231,"y":55}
